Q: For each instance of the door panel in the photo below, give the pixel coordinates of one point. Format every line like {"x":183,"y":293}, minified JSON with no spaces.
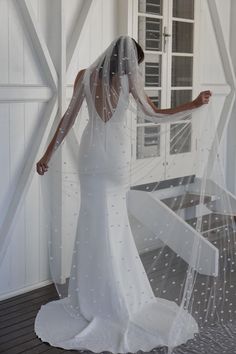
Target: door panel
{"x":166,"y":32}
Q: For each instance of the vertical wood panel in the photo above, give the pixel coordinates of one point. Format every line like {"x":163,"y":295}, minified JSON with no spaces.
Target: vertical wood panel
{"x":44,"y":272}
{"x":33,"y":73}
{"x":16,"y":68}
{"x":4,"y":156}
{"x":4,"y":185}
{"x":32,"y":205}
{"x":17,"y":158}
{"x":4,"y":44}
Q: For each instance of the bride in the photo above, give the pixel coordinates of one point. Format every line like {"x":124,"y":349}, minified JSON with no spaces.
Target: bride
{"x":110,"y":306}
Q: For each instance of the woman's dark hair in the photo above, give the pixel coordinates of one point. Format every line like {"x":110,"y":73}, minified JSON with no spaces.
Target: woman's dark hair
{"x":114,"y":63}
{"x":140,"y":51}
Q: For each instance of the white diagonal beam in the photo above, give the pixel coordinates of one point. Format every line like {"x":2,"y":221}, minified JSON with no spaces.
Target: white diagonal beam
{"x":26,"y":176}
{"x":230,"y":78}
{"x":75,"y":37}
{"x":38,"y":41}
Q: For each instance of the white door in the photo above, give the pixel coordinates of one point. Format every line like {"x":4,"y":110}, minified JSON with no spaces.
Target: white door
{"x":167,"y":31}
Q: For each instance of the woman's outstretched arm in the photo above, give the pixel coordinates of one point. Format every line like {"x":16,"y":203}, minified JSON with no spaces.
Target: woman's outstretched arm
{"x":202,"y":98}
{"x":65,"y":123}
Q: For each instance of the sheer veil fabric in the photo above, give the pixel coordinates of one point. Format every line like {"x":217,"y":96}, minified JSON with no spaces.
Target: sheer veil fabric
{"x":137,"y":266}
{"x":135,"y":273}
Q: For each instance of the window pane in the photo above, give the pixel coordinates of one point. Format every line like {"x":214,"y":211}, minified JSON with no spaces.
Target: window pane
{"x":151,"y":66}
{"x":182,"y":37}
{"x":180,"y":96}
{"x":183,"y":9}
{"x":150,"y":6}
{"x":150,"y":33}
{"x":156,"y":99}
{"x":182,"y":71}
{"x":152,"y":74}
{"x":148,"y":142}
{"x":180,"y":138}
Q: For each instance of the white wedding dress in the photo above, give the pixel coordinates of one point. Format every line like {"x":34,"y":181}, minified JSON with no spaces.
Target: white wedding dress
{"x":111,"y":305}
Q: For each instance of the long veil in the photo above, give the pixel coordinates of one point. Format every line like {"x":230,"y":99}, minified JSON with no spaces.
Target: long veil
{"x":183,"y":226}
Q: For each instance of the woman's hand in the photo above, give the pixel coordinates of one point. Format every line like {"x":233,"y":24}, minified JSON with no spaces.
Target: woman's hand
{"x":202,"y":98}
{"x":42,"y":165}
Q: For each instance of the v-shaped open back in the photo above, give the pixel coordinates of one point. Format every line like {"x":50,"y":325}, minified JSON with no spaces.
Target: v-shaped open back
{"x":104,"y":99}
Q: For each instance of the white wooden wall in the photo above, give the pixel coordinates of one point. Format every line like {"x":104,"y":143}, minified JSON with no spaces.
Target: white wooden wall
{"x":25,"y":89}
{"x":28,"y":80}
{"x":212,"y":71}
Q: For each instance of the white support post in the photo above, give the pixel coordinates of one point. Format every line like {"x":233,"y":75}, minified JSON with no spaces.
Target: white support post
{"x":230,"y":78}
{"x":231,"y":141}
{"x":56,"y":192}
{"x":125,"y":13}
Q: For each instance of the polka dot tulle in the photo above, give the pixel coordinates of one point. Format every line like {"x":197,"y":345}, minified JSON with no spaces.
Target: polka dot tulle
{"x":154,"y":272}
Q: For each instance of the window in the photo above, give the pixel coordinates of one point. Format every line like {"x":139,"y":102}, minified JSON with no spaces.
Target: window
{"x":165,"y":30}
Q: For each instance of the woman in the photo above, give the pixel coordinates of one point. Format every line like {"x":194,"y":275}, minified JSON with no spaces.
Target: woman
{"x":111,"y":307}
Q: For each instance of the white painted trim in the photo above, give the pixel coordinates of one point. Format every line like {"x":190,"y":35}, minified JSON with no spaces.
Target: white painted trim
{"x":125,"y":17}
{"x":25,"y":93}
{"x":180,"y":19}
{"x":24,"y":290}
{"x":186,"y":55}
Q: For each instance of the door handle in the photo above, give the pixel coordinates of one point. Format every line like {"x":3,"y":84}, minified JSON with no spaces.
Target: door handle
{"x":166,"y":36}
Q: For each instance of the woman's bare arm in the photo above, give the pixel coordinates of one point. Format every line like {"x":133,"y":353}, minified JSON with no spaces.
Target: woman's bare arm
{"x":42,"y":164}
{"x":49,"y":150}
{"x":203,"y":98}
